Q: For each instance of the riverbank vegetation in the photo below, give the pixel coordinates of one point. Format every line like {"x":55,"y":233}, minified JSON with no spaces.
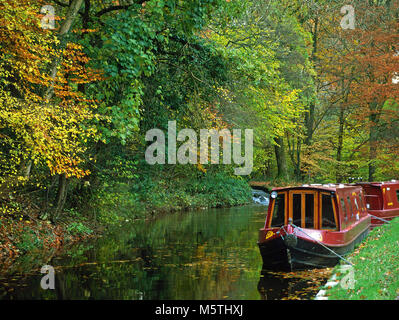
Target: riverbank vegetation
{"x":376,"y":271}
{"x":82,"y":82}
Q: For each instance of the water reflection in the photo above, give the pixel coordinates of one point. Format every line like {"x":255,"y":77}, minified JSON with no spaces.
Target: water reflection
{"x":210,"y":254}
{"x":292,"y":285}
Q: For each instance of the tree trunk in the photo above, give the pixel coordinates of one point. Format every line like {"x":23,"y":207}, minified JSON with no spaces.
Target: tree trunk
{"x":61,"y":196}
{"x":309,"y":117}
{"x":373,"y":139}
{"x":282,"y":171}
{"x":372,"y":150}
{"x":338,"y":174}
{"x":26,"y":168}
{"x":85,"y":26}
{"x":298,"y":173}
{"x":65,"y":27}
{"x":268,"y":169}
{"x":294,"y":152}
{"x":309,"y":123}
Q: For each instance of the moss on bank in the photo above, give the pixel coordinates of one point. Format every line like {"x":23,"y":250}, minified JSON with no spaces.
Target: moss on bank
{"x":376,"y":268}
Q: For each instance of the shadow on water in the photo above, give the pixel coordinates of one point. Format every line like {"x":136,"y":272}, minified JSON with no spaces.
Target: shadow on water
{"x":198,"y":255}
{"x":293,"y":285}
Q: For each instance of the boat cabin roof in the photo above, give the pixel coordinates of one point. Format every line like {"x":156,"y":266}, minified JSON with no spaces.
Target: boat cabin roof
{"x":333,"y":188}
{"x":392,"y":183}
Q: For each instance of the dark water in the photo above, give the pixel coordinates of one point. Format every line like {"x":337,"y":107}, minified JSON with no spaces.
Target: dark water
{"x":210,"y":254}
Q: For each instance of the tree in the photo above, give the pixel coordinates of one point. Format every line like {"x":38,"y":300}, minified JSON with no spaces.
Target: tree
{"x":271,"y":81}
{"x":40,"y":128}
{"x":376,"y":62}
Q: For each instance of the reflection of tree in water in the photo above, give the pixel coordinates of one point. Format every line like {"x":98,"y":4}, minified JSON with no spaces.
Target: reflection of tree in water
{"x":209,"y":254}
{"x":293,"y":285}
{"x":273,"y":287}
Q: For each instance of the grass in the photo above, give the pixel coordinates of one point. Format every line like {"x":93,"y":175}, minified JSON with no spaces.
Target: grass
{"x":376,"y":267}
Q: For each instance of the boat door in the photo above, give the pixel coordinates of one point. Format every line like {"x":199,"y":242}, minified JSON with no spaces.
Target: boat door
{"x":303,"y":208}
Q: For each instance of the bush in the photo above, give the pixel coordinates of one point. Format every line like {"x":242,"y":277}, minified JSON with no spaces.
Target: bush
{"x":78,"y":229}
{"x":118,"y":201}
{"x":28,"y":241}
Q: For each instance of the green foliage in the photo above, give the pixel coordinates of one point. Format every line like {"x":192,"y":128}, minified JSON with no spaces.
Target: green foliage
{"x":78,"y":229}
{"x":125,"y":54}
{"x":130,"y":49}
{"x":28,"y":241}
{"x":150,"y":194}
{"x":72,"y":212}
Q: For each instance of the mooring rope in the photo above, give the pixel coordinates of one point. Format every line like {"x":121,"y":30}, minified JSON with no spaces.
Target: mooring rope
{"x":282,"y":227}
{"x":339,"y":256}
{"x":386,"y":221}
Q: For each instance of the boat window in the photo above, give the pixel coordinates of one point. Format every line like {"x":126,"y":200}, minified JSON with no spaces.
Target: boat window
{"x":397,"y":195}
{"x":350,"y":205}
{"x":309,"y":210}
{"x":344,"y":208}
{"x":297,"y":209}
{"x":327,"y":215}
{"x":278,"y":211}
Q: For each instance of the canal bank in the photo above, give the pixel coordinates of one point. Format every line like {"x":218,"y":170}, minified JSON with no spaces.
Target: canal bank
{"x":375,"y":271}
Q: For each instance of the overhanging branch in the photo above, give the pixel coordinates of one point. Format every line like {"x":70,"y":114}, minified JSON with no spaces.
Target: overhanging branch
{"x":118,"y":7}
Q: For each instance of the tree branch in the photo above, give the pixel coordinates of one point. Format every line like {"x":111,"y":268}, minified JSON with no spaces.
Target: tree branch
{"x":119,"y":7}
{"x":65,"y":27}
{"x":113,"y":8}
{"x":61,"y":4}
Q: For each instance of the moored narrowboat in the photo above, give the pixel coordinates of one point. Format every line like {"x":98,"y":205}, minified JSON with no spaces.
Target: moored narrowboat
{"x":382,"y":200}
{"x":312,"y":226}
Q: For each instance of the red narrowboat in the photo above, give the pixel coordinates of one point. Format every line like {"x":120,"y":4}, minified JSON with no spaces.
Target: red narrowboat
{"x":312,"y":226}
{"x":382,"y":200}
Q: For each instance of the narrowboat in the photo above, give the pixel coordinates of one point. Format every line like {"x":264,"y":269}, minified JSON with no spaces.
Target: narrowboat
{"x":312,"y":226}
{"x":382,"y":200}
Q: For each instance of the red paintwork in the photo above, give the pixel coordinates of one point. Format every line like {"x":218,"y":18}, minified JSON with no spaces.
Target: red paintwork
{"x":382,"y":200}
{"x":348,"y":228}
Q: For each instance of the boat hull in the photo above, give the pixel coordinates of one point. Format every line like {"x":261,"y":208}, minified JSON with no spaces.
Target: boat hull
{"x":280,"y":255}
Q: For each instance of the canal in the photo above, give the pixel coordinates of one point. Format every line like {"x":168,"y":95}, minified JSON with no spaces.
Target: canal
{"x":208,"y":254}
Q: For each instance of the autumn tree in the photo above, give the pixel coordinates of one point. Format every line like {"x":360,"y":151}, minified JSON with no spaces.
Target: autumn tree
{"x":42,"y":114}
{"x":375,"y":62}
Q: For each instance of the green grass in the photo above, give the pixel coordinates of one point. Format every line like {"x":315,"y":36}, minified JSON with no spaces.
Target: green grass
{"x":376,"y":267}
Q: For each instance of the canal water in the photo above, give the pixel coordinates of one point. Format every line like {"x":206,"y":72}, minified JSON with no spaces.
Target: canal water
{"x":208,"y":254}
